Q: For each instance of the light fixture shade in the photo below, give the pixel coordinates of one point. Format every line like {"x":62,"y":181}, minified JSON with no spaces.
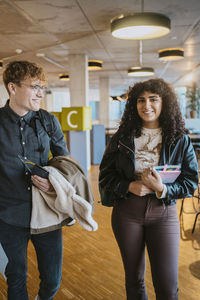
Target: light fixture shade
{"x":1,"y":64}
{"x":64,"y":77}
{"x":140,"y":72}
{"x":140,"y":26}
{"x":95,"y":65}
{"x":18,"y":51}
{"x":171,"y":54}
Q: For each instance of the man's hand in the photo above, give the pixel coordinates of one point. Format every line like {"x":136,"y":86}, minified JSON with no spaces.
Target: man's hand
{"x":152,"y":179}
{"x":139,"y":188}
{"x":42,"y":183}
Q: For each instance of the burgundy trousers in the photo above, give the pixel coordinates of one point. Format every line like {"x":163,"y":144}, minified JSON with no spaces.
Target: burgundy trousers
{"x":140,"y":222}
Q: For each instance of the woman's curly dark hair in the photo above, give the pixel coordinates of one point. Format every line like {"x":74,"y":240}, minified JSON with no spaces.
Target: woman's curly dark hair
{"x":171,"y":121}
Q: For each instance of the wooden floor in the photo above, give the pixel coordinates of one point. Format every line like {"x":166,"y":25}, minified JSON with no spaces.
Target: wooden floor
{"x":92,"y":267}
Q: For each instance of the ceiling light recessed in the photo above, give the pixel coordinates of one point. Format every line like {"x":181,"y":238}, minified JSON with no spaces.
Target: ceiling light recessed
{"x":171,"y":54}
{"x":64,"y":77}
{"x":1,"y":64}
{"x":95,"y":65}
{"x":140,"y":26}
{"x":140,"y":72}
{"x":40,"y":54}
{"x":18,"y":51}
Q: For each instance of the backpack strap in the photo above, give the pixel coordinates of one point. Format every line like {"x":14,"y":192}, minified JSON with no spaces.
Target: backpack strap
{"x":46,"y":121}
{"x":43,"y":119}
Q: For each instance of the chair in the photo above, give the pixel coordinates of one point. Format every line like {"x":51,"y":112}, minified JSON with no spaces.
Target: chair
{"x":181,"y":209}
{"x":195,"y":221}
{"x":197,"y":152}
{"x":196,"y":196}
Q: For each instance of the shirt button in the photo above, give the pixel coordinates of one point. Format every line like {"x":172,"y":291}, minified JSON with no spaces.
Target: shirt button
{"x":22,"y":119}
{"x":25,"y":157}
{"x":23,"y":143}
{"x":21,"y":128}
{"x":26,"y":173}
{"x":29,"y":188}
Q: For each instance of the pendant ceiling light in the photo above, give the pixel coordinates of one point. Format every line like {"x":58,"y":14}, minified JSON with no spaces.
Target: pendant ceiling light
{"x":94,"y":65}
{"x":171,"y":54}
{"x":140,"y":71}
{"x":140,"y":26}
{"x":64,"y":77}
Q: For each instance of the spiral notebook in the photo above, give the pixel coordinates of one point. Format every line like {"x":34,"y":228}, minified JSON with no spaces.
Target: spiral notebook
{"x":168,"y":173}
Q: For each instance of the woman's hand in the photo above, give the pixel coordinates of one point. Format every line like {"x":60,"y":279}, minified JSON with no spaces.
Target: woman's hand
{"x":42,"y":183}
{"x":139,"y":188}
{"x":152,"y":179}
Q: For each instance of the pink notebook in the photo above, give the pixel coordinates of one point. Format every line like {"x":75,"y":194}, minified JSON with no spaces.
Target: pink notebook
{"x":168,"y":173}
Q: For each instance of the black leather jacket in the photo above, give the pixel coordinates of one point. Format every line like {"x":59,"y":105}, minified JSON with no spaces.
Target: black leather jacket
{"x":117,"y":167}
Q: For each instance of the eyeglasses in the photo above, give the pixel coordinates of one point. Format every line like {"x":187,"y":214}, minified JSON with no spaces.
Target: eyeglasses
{"x":36,"y":88}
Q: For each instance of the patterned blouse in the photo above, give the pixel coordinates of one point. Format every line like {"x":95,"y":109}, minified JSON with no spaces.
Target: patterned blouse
{"x":147,"y":149}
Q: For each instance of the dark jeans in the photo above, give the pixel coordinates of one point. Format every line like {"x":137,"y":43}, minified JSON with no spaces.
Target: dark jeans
{"x":140,"y":222}
{"x":48,"y":247}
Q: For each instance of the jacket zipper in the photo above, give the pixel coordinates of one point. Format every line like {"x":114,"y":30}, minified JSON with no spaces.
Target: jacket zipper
{"x":169,"y":154}
{"x":126,"y":147}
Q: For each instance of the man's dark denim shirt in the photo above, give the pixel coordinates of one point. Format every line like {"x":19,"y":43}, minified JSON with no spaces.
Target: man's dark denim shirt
{"x":18,"y":136}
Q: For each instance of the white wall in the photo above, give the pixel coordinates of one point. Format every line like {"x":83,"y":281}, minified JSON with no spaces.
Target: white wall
{"x":93,"y":94}
{"x":3,"y":95}
{"x":61,"y":98}
{"x":193,"y":124}
{"x":55,"y":99}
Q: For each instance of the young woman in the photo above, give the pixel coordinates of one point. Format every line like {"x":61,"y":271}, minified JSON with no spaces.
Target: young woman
{"x":151,"y":133}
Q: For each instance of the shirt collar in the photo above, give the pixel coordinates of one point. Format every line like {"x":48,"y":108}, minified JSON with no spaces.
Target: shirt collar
{"x":15,"y":117}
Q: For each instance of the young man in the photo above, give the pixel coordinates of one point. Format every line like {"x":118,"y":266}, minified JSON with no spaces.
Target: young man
{"x":23,"y":134}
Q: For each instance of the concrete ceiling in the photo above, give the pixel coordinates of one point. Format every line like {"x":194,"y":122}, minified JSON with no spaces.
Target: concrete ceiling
{"x":57,"y":28}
